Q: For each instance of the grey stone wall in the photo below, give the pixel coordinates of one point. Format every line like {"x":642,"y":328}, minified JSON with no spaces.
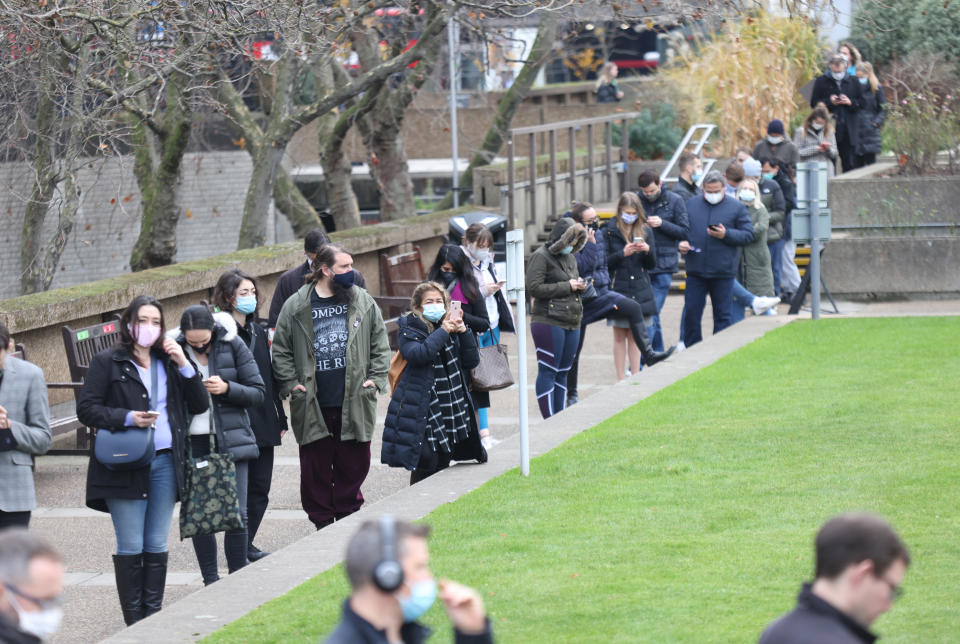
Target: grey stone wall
{"x":214,"y":186}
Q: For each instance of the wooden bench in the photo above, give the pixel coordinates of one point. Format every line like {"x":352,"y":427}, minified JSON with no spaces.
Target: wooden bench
{"x":81,"y":345}
{"x":399,"y":275}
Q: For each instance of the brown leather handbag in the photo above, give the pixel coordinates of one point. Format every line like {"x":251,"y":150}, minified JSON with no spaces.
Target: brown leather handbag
{"x":493,"y":372}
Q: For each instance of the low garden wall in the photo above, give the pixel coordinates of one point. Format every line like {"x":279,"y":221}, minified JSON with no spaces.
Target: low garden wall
{"x":36,"y":320}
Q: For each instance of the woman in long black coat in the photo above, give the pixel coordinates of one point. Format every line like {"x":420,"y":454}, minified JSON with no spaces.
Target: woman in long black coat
{"x":431,"y":420}
{"x":118,"y":395}
{"x":870,"y":117}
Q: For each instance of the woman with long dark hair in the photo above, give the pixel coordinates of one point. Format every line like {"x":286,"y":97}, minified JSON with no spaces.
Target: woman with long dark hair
{"x":142,"y":381}
{"x":236,"y":293}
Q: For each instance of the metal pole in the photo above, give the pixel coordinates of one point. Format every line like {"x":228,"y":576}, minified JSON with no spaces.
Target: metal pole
{"x":516,"y":288}
{"x":813,"y":189}
{"x":452,"y":41}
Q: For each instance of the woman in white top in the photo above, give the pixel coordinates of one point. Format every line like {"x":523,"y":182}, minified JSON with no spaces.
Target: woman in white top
{"x":478,"y":247}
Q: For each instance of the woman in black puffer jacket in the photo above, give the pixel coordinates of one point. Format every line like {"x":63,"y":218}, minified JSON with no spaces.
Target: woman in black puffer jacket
{"x":870,"y":117}
{"x":232,"y":378}
{"x":431,"y":419}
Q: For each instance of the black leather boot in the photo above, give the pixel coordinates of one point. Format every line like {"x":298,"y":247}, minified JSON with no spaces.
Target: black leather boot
{"x":154,"y":581}
{"x":129,"y":573}
{"x":650,"y":357}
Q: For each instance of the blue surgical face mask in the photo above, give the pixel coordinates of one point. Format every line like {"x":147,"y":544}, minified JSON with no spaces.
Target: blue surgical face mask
{"x":747,"y":196}
{"x":567,"y":250}
{"x":864,"y":81}
{"x":247,"y":304}
{"x":696,"y":176}
{"x":434,"y":312}
{"x":345,"y":280}
{"x":628,"y":218}
{"x":769,"y":175}
{"x":422,"y":595}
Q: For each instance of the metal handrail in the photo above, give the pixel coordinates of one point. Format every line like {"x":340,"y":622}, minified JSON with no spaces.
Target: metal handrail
{"x":708,"y":129}
{"x":562,"y":125}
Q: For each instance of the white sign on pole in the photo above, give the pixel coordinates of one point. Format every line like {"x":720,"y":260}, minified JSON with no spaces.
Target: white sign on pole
{"x":516,"y":290}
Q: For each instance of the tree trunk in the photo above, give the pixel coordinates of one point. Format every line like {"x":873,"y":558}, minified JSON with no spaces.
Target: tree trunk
{"x":253,"y":228}
{"x":337,"y":175}
{"x":290,"y":201}
{"x":45,"y":181}
{"x":497,"y":134}
{"x":388,"y":166}
{"x":157,"y":159}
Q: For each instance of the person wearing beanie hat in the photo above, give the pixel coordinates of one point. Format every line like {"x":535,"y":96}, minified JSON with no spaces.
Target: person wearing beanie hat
{"x":777,"y":144}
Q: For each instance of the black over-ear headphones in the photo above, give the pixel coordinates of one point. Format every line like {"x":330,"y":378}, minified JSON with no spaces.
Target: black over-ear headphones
{"x":388,"y":573}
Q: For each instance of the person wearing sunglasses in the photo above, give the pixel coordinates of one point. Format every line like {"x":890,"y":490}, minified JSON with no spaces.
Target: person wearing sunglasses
{"x":31,"y":588}
{"x":860,"y":565}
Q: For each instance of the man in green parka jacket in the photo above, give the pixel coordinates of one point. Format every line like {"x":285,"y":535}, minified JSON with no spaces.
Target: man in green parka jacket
{"x":331,"y":356}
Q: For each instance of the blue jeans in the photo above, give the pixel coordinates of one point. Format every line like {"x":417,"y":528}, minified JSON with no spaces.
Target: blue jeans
{"x":776,"y":265}
{"x":695,"y":300}
{"x":742,"y":298}
{"x":556,"y":348}
{"x":142,"y":525}
{"x":486,"y":339}
{"x":661,"y":287}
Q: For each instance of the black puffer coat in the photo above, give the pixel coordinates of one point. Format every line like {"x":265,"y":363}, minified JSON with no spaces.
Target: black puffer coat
{"x":111,"y":389}
{"x":230,"y":359}
{"x":405,"y":426}
{"x":870,"y":122}
{"x":629,"y":274}
{"x":674,"y":228}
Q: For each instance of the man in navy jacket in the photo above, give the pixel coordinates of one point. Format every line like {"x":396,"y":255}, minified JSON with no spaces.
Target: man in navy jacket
{"x":719,"y":226}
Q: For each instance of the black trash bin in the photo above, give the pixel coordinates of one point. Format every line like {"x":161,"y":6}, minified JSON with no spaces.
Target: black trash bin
{"x":496,"y":224}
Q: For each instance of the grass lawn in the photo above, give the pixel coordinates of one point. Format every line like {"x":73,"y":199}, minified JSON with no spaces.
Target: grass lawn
{"x":690,"y":516}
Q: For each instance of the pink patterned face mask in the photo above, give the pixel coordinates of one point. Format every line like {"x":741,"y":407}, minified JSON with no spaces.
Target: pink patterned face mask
{"x":145,"y":334}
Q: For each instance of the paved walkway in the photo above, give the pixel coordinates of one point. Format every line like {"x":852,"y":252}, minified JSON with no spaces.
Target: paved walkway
{"x":86,"y":537}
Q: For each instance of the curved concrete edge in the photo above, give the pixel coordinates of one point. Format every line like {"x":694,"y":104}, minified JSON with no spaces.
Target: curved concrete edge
{"x":207,"y":610}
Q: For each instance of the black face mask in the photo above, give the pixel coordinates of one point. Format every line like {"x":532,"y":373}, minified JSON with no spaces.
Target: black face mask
{"x":203,"y":348}
{"x":594,"y":225}
{"x":448,"y":277}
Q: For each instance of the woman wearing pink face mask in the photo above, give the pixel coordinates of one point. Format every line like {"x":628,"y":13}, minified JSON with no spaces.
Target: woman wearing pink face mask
{"x":144,"y":380}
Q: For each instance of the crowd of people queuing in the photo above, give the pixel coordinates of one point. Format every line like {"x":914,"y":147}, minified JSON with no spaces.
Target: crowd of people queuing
{"x":215,"y":384}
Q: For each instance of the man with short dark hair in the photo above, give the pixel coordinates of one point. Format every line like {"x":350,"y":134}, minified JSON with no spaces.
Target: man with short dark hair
{"x":31,"y":588}
{"x":719,"y":226}
{"x":388,"y":565}
{"x":860,"y":564}
{"x":690,"y":172}
{"x":667,"y":217}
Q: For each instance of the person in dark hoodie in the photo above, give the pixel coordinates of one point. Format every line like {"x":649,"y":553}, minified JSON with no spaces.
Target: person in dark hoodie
{"x":690,"y":170}
{"x":431,"y":418}
{"x":840,"y":93}
{"x":719,"y":226}
{"x":554,"y":283}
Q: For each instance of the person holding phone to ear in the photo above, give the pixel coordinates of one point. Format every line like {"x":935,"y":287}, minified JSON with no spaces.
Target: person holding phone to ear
{"x":430,"y":420}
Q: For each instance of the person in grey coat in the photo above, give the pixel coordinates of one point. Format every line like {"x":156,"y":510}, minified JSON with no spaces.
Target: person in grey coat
{"x":24,"y":432}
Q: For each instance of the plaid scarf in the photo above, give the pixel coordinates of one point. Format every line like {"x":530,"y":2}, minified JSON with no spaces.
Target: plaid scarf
{"x":449,"y":421}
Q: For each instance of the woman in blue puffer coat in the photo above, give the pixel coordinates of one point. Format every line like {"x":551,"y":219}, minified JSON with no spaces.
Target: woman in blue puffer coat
{"x":431,"y":419}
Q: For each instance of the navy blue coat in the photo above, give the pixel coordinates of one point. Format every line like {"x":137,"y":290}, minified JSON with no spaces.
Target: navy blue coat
{"x":670,"y":208}
{"x":405,"y":426}
{"x":717,"y":258}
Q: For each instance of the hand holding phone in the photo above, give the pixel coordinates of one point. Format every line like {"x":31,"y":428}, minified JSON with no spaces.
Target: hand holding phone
{"x":151,"y":413}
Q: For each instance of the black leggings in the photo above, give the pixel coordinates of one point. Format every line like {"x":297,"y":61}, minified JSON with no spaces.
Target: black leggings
{"x":626,"y":309}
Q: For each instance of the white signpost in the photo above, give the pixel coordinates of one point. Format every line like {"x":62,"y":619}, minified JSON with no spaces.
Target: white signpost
{"x":811,"y":220}
{"x":516,"y":290}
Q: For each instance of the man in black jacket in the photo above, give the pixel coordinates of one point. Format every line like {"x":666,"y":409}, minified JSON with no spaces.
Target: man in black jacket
{"x":840,"y":92}
{"x":388,"y":566}
{"x":860,"y":564}
{"x":691,"y":170}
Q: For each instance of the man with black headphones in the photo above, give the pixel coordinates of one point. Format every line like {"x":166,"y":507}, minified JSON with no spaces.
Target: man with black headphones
{"x":388,"y":565}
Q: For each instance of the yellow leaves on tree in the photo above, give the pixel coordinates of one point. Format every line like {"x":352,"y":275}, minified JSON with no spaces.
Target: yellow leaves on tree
{"x":748,"y":74}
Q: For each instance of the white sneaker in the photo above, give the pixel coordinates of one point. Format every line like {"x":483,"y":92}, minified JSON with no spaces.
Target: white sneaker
{"x":488,"y":442}
{"x":761,"y":305}
{"x":681,"y":346}
{"x":772,"y":311}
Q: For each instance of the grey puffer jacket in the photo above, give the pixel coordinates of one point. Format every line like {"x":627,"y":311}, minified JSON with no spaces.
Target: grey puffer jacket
{"x":230,"y":359}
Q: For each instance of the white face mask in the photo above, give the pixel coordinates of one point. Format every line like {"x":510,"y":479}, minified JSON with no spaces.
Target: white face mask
{"x":775,"y":139}
{"x":713,"y":197}
{"x":817,"y":126}
{"x":41,"y":623}
{"x":838,"y":76}
{"x":628,"y":218}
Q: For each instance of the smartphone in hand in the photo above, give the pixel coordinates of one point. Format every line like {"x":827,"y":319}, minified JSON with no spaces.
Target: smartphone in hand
{"x":151,"y":414}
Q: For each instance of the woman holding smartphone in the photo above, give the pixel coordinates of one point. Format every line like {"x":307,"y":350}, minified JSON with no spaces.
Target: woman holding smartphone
{"x":144,"y":380}
{"x":478,"y":246}
{"x":630,"y":254}
{"x":430,"y":420}
{"x":232,"y":380}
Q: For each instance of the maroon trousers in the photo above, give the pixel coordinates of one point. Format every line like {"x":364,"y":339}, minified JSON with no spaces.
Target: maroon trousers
{"x":331,"y":473}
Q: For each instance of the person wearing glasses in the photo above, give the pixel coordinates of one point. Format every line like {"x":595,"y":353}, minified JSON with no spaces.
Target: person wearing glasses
{"x":31,"y":588}
{"x":860,"y":564}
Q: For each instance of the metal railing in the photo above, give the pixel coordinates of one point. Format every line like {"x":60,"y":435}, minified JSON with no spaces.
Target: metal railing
{"x":554,"y":178}
{"x":704,"y":130}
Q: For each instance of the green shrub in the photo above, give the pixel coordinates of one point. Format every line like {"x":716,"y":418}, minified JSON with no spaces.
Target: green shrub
{"x":894,"y":28}
{"x":654,"y":134}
